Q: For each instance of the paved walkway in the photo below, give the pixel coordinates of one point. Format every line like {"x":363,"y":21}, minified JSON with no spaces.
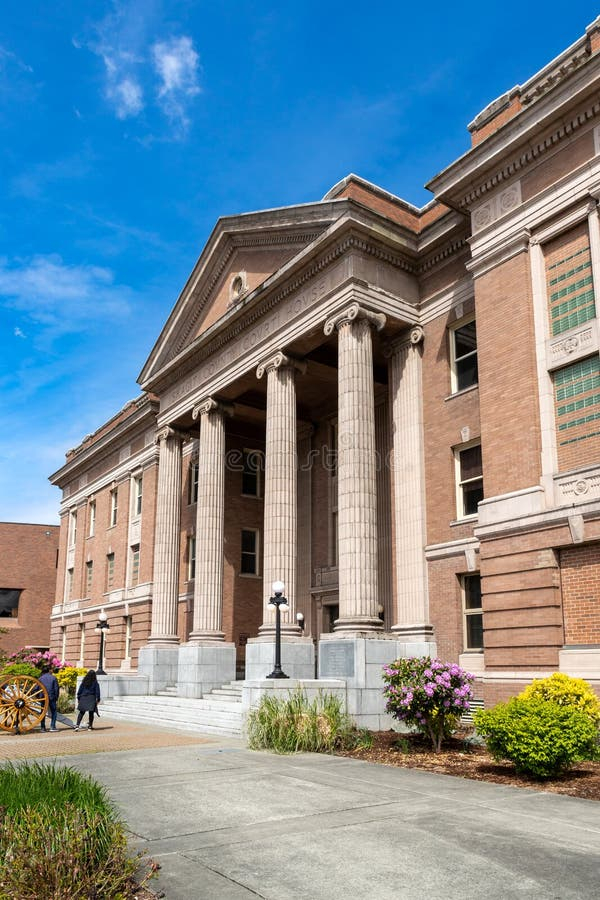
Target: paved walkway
{"x":229,"y":824}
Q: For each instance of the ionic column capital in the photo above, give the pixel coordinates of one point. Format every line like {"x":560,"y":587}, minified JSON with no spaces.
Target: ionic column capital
{"x":166,"y":432}
{"x":414,"y":337}
{"x":211,"y":405}
{"x":280,"y":361}
{"x":354,"y":313}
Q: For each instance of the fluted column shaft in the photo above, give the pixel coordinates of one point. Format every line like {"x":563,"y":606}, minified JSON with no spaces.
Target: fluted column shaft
{"x":210,"y":520}
{"x":280,"y":560}
{"x":408,"y":465}
{"x":165,"y":592}
{"x":357,"y":468}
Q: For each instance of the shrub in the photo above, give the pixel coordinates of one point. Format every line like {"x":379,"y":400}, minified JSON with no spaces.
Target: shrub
{"x":60,"y":837}
{"x":427,"y":694}
{"x":21,"y":668}
{"x":541,"y":738}
{"x":292,"y":724}
{"x":67,"y":678}
{"x":37,"y":658}
{"x":566,"y":691}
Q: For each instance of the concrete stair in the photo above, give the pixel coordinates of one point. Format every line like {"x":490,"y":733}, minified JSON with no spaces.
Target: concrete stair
{"x":219,"y":712}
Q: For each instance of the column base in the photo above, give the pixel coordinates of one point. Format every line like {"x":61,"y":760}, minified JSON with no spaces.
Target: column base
{"x":421,"y":633}
{"x":206,"y":637}
{"x":159,"y":664}
{"x":203,"y":667}
{"x":297,"y":657}
{"x":358,"y":627}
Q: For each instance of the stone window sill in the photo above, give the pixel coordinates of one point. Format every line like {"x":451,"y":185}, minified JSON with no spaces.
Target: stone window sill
{"x":467,"y":390}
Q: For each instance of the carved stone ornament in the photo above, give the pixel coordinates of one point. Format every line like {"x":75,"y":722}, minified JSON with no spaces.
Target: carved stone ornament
{"x":167,"y":431}
{"x":211,"y":405}
{"x":354,"y":313}
{"x":280,"y":361}
{"x":415,"y":336}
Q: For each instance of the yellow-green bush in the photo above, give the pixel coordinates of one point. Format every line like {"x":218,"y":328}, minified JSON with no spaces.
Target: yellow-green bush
{"x":565,"y":691}
{"x":67,"y":678}
{"x":540,"y":737}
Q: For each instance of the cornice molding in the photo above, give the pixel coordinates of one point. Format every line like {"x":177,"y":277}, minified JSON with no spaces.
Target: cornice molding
{"x":519,"y":243}
{"x":533,"y":153}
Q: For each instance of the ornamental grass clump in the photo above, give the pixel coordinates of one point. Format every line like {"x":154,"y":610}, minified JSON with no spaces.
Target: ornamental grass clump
{"x":428,"y":695}
{"x":293,"y":724}
{"x":60,"y":837}
{"x":540,"y":737}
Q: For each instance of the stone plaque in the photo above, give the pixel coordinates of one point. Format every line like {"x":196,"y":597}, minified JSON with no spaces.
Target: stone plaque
{"x":336,"y":659}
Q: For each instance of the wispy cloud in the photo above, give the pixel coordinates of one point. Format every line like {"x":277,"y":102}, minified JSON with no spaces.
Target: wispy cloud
{"x":59,"y":297}
{"x":32,"y":182}
{"x":8,"y":58}
{"x":176,"y":63}
{"x":140,"y":72}
{"x":20,"y":334}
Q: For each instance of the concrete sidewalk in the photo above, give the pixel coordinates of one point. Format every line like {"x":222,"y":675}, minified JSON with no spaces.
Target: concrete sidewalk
{"x":229,"y":824}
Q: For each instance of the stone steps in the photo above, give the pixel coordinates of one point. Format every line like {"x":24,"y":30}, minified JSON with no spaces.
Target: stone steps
{"x":209,"y":715}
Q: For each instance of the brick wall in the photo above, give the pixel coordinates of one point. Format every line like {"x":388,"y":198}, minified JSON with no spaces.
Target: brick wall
{"x":580,"y":580}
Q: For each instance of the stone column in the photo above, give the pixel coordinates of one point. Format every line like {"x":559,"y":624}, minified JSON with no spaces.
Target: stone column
{"x":281,"y":488}
{"x":357,"y":467}
{"x":165,"y":593}
{"x":210,"y":518}
{"x":280,"y":535}
{"x":158,"y":660}
{"x":408,"y":471}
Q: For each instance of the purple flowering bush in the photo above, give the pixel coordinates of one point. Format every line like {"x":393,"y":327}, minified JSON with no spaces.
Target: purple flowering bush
{"x":37,"y":658}
{"x":427,"y":694}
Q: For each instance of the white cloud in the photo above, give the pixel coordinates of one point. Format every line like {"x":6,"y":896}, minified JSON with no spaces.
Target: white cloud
{"x":60,"y":297}
{"x":20,"y":334}
{"x":127,"y":97}
{"x":176,"y":64}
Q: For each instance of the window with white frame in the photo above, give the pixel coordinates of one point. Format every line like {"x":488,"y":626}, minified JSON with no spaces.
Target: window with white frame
{"x":92,"y":519}
{"x":134,"y":578}
{"x":69,"y":584}
{"x":128,"y":633}
{"x":472,"y":611}
{"x":136,"y":509}
{"x":72,"y":527}
{"x":63,"y":632}
{"x":469,"y":479}
{"x":463,"y":355}
{"x":89,"y":577}
{"x":251,"y":473}
{"x":191,"y":555}
{"x":114,"y":506}
{"x":110,"y":571}
{"x":249,"y":551}
{"x":193,"y":483}
{"x":81,"y":642}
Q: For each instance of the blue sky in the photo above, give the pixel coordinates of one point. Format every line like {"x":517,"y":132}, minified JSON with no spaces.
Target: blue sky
{"x":129,"y":127}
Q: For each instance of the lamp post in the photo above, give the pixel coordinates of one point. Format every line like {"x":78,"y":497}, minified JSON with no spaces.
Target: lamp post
{"x":279,"y":602}
{"x":101,"y":628}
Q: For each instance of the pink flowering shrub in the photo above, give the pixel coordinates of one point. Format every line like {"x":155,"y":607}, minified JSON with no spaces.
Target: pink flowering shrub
{"x":427,"y":694}
{"x":37,"y":658}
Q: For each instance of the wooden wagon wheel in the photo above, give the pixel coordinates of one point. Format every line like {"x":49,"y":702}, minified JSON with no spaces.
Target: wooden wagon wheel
{"x":23,"y":703}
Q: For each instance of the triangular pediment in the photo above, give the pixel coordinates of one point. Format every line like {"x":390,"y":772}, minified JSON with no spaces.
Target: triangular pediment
{"x":241,"y":253}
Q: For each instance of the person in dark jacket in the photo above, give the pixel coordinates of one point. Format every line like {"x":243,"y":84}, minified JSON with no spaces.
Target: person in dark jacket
{"x":50,"y":682}
{"x":88,"y":697}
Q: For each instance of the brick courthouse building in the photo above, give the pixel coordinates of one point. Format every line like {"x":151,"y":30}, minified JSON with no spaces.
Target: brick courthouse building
{"x":396,"y":411}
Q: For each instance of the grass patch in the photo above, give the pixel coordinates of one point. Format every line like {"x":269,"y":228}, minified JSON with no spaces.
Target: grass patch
{"x":60,"y":837}
{"x":293,"y":724}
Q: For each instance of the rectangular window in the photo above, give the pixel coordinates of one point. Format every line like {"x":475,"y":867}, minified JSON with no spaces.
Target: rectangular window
{"x":72,"y":528}
{"x":570,"y":282}
{"x":9,"y":602}
{"x":63,"y":632}
{"x":463,"y":356}
{"x":92,"y":519}
{"x":135,"y":565}
{"x":251,"y":473}
{"x":69,"y":584}
{"x":110,"y":571}
{"x":472,"y":611}
{"x":81,"y":643}
{"x":128,"y":631}
{"x":191,"y":550}
{"x":137,"y":496}
{"x":193,"y":483}
{"x":249,"y":560}
{"x":469,"y":476}
{"x":114,"y":498}
{"x":89,"y":575}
